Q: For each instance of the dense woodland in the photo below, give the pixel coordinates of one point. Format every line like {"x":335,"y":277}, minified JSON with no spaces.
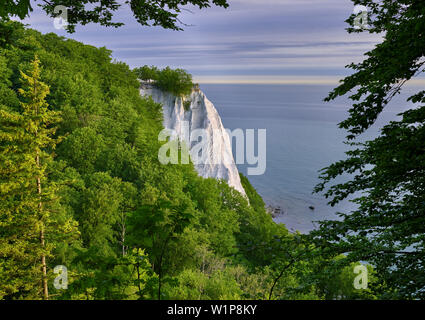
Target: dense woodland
{"x":81,"y":186}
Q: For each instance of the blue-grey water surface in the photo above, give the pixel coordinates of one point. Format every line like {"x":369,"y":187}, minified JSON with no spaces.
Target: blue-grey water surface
{"x":302,"y":138}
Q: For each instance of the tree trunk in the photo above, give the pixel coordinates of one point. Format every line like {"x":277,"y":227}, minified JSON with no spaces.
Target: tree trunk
{"x":160,"y":266}
{"x":44,"y":267}
{"x":123,"y":232}
{"x":42,"y":243}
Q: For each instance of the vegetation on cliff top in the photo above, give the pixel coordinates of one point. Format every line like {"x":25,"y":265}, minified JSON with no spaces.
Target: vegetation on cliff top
{"x":177,"y":81}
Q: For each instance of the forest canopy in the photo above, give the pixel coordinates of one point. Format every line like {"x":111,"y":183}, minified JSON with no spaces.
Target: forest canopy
{"x":98,"y":201}
{"x":81,"y":187}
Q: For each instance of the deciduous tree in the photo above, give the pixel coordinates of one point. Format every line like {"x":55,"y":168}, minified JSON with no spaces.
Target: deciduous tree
{"x":146,"y":12}
{"x":388,"y":173}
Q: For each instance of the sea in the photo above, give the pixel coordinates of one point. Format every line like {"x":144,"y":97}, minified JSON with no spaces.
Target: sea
{"x":302,"y":138}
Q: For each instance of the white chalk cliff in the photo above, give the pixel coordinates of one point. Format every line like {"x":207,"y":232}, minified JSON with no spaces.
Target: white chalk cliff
{"x":200,"y":115}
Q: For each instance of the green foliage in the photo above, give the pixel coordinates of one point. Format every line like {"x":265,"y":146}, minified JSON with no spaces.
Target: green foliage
{"x":156,"y":227}
{"x":387,"y":173}
{"x":177,"y":82}
{"x":96,"y":276}
{"x":147,"y":73}
{"x":124,"y":225}
{"x":26,"y":198}
{"x":147,"y":13}
{"x":186,"y":105}
{"x":255,"y":199}
{"x":194,"y":285}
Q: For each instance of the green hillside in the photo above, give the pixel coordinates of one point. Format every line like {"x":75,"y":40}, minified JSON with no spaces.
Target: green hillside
{"x":81,"y":186}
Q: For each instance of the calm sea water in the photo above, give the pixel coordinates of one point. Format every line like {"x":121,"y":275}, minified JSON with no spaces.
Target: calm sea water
{"x":302,"y":138}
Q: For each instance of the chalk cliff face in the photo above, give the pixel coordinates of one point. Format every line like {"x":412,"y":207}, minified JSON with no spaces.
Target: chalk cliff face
{"x":201,"y":114}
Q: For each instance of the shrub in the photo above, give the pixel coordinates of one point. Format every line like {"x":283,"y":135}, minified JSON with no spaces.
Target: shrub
{"x":187,"y":104}
{"x":177,"y":82}
{"x":147,"y":73}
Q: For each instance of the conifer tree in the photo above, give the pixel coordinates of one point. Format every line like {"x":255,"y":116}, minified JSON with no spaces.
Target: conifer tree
{"x":25,"y":141}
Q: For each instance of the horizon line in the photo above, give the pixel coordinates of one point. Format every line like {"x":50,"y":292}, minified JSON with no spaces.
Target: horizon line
{"x":287,"y":80}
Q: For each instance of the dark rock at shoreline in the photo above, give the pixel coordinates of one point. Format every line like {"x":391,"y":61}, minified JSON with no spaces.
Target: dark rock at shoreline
{"x":274,"y":211}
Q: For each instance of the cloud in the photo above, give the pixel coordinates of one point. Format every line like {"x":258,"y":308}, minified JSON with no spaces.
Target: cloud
{"x":267,"y":39}
{"x":269,"y":79}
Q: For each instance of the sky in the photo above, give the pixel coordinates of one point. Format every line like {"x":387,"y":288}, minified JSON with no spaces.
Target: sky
{"x":252,"y":41}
